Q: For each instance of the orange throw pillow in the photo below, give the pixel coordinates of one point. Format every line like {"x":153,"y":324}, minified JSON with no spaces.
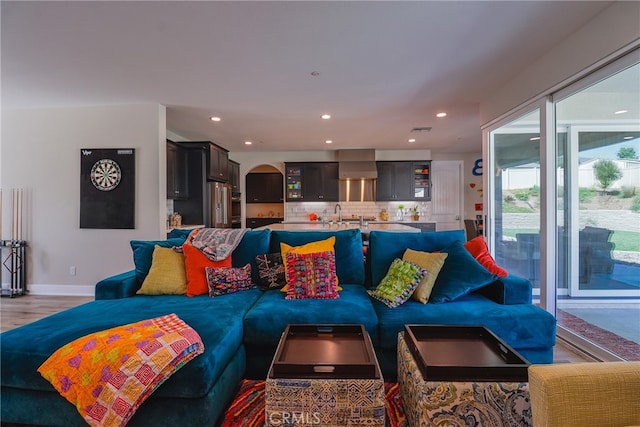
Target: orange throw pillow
{"x":195,"y":263}
{"x":478,"y":248}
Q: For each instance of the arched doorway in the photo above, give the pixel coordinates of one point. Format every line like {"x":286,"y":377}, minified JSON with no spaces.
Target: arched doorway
{"x":264,"y":189}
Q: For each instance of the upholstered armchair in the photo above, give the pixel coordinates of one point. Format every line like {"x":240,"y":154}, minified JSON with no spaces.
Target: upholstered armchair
{"x":585,"y":394}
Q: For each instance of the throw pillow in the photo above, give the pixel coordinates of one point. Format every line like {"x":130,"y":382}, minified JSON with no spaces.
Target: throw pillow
{"x":270,"y":271}
{"x":432,"y":262}
{"x":143,"y":254}
{"x":167,"y":275}
{"x":309,"y":248}
{"x":460,"y":275}
{"x":398,"y":285}
{"x":312,"y":276}
{"x":195,"y":263}
{"x":478,"y":248}
{"x":222,"y":281}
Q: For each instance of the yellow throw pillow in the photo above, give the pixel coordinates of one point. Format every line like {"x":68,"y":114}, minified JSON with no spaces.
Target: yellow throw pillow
{"x":432,"y":262}
{"x":327,"y":245}
{"x":167,"y":274}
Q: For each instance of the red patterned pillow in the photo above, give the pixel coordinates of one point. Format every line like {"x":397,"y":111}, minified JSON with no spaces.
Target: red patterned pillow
{"x":312,"y":276}
{"x":222,"y":281}
{"x":478,"y":248}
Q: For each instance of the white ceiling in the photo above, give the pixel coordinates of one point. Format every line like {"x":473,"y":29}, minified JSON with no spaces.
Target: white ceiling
{"x":384,"y":67}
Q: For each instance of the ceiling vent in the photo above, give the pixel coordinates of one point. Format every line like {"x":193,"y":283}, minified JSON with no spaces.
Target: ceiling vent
{"x":422,"y":129}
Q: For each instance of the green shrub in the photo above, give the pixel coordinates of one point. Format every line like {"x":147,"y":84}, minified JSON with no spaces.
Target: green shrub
{"x":585,"y":194}
{"x":523,"y":196}
{"x":509,"y":198}
{"x":626,"y":192}
{"x":535,"y":190}
{"x":635,"y":204}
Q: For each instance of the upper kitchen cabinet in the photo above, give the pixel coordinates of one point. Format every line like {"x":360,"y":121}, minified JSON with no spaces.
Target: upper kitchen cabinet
{"x":217,"y":158}
{"x":395,"y":181}
{"x":422,"y":181}
{"x":234,"y":176}
{"x":264,"y":188}
{"x":218,"y":163}
{"x":312,"y":182}
{"x":177,"y":187}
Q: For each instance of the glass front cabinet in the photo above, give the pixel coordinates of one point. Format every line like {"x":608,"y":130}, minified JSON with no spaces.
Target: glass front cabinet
{"x":422,"y":181}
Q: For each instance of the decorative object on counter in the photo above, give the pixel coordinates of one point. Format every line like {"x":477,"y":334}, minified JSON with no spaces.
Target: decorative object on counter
{"x":313,"y":216}
{"x":401,"y":212}
{"x":384,"y":215}
{"x":175,"y":220}
{"x":416,"y":213}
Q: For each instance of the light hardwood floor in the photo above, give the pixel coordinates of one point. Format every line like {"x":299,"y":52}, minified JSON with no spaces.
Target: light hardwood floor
{"x":20,"y":310}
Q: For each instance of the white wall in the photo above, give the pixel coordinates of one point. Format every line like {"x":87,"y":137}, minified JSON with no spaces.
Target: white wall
{"x":613,"y":29}
{"x":41,"y":153}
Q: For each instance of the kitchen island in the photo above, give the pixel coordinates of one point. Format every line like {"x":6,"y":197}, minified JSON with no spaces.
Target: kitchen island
{"x":319,"y":226}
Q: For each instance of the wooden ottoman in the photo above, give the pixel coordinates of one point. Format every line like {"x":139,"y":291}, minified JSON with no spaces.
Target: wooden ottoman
{"x":459,"y":376}
{"x":325,"y":375}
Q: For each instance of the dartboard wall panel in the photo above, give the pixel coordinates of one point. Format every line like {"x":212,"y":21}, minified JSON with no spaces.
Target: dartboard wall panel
{"x":107,"y":188}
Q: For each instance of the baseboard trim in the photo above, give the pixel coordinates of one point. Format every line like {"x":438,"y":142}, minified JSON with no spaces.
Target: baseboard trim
{"x":61,"y":290}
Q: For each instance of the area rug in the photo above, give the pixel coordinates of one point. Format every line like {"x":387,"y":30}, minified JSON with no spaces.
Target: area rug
{"x":247,"y":408}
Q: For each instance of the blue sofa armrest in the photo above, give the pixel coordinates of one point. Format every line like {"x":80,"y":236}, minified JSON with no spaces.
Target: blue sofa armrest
{"x":509,"y":290}
{"x":121,"y":285}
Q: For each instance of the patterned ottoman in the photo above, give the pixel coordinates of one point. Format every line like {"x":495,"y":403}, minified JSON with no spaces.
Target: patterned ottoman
{"x":317,"y":379}
{"x":459,"y":403}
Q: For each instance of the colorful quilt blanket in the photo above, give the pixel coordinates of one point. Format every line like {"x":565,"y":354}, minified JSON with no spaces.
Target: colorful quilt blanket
{"x":108,"y":374}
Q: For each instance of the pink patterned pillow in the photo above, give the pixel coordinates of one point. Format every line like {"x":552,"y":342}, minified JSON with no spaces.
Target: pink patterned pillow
{"x":222,"y":281}
{"x":312,"y":276}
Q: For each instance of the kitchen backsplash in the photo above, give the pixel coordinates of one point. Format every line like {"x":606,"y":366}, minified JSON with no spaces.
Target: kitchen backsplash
{"x":300,"y":211}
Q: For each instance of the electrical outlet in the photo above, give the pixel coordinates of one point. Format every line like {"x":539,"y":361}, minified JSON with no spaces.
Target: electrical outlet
{"x":72,"y":270}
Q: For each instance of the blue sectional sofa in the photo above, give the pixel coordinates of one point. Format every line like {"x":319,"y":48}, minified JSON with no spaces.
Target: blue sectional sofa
{"x":240,"y":331}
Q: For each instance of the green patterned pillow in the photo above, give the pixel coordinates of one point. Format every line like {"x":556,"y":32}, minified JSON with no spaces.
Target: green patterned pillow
{"x":398,"y":285}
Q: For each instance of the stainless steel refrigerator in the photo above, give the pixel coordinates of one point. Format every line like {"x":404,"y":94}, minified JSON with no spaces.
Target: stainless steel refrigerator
{"x":219,"y":204}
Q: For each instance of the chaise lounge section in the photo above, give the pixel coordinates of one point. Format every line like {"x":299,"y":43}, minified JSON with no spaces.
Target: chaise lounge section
{"x":240,"y":330}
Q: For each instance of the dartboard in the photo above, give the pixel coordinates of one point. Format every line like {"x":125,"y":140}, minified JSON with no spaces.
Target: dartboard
{"x":105,"y":175}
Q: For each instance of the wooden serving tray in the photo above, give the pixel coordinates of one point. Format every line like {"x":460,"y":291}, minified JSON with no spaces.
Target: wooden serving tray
{"x":464,"y":353}
{"x":325,"y":351}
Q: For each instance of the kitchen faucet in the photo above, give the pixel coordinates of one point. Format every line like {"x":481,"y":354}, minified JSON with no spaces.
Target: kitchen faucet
{"x":338,"y":209}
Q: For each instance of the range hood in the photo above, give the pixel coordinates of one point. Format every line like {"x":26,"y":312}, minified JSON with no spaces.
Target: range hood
{"x":357,"y":164}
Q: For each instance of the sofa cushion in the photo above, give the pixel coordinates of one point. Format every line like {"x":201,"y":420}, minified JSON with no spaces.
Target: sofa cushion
{"x":167,"y":275}
{"x":398,"y":285}
{"x":521,"y":325}
{"x":385,"y":246}
{"x":460,"y":275}
{"x":312,"y":275}
{"x":143,"y":254}
{"x":432,"y":262}
{"x":478,"y":248}
{"x":196,"y":263}
{"x":265,"y":322}
{"x":222,"y":281}
{"x":218,"y":321}
{"x":348,"y":249}
{"x":253,"y":243}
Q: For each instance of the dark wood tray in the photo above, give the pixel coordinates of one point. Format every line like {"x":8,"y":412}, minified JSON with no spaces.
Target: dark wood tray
{"x":325,"y":351}
{"x":463,"y":353}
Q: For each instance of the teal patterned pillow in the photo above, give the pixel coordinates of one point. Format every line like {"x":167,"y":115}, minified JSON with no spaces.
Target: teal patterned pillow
{"x":398,"y":285}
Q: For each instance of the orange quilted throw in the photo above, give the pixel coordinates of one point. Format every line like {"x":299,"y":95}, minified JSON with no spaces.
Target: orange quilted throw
{"x":108,"y":374}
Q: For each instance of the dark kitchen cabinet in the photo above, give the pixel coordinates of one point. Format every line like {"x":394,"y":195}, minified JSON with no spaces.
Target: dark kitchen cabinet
{"x":261,"y":222}
{"x":264,"y":188}
{"x":218,"y":163}
{"x":177,"y":187}
{"x":312,"y":182}
{"x":395,"y":181}
{"x":234,"y":176}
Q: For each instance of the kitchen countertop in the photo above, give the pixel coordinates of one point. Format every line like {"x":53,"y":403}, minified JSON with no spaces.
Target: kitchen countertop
{"x":318,"y":226}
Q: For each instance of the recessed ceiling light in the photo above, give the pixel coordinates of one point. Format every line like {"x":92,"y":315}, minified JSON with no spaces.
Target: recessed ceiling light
{"x":534,"y":138}
{"x":326,"y":116}
{"x":215,"y":118}
{"x":621,"y":112}
{"x":328,"y":141}
{"x":443,"y":114}
{"x":248,"y":143}
{"x":628,"y":137}
{"x":412,"y":140}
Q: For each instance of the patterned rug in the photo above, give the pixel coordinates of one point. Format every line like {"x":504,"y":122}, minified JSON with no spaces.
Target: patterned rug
{"x":247,"y":408}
